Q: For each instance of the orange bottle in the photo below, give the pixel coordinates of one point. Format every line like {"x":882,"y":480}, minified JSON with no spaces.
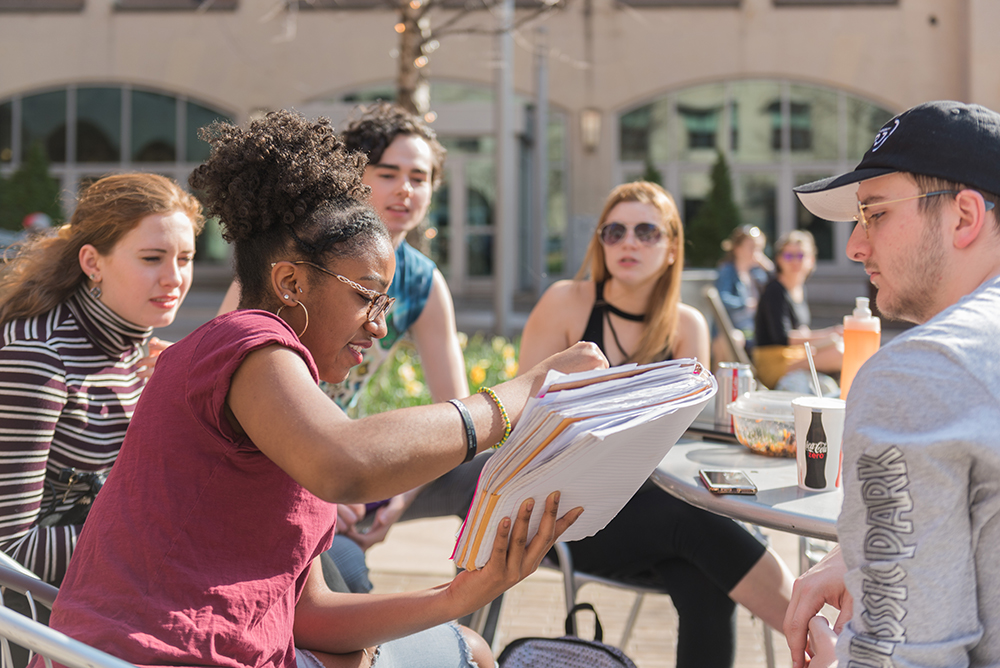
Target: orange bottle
{"x":862,"y":336}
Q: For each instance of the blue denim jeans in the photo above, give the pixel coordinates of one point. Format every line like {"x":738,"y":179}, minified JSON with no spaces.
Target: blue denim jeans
{"x":442,"y":646}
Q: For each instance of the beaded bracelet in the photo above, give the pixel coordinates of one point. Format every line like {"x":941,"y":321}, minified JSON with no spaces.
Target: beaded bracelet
{"x":470,"y":430}
{"x":503,"y":414}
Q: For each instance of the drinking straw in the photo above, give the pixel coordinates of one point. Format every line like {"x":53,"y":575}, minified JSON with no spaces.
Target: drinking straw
{"x":812,"y":368}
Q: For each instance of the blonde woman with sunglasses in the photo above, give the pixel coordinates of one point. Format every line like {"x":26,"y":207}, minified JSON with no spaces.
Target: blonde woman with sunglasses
{"x":626,"y":299}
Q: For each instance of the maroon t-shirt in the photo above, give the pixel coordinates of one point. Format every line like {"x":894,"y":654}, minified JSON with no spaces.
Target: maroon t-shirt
{"x":198,"y":547}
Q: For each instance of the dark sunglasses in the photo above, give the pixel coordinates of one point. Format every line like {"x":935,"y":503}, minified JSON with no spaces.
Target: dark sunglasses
{"x":788,"y":257}
{"x":647,"y":234}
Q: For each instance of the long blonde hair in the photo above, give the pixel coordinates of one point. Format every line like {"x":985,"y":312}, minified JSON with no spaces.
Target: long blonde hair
{"x":46,"y":269}
{"x":660,"y":326}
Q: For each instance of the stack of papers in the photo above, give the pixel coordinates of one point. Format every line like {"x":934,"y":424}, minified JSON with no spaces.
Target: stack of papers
{"x":595,"y":436}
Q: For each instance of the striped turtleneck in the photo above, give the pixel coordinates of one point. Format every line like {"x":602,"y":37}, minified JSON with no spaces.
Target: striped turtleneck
{"x":68,"y":388}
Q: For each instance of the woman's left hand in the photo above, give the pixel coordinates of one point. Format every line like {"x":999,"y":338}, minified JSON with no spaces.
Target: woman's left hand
{"x":146,"y":364}
{"x":514,"y":558}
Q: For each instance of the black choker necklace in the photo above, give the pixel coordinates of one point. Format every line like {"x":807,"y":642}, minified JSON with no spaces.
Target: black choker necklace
{"x":609,"y":309}
{"x":625,"y":316}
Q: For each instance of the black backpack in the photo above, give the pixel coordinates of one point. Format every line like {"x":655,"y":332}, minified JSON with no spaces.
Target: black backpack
{"x":568,"y":651}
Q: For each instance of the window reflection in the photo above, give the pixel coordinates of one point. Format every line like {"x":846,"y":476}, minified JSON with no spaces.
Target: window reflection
{"x":698,"y":119}
{"x":757,"y":195}
{"x":154,"y":127}
{"x":767,"y":129}
{"x":98,"y":124}
{"x":814,"y":123}
{"x":822,"y":230}
{"x":481,"y":255}
{"x":751,"y":123}
{"x":43,"y":121}
{"x":701,"y":125}
{"x":99,"y":116}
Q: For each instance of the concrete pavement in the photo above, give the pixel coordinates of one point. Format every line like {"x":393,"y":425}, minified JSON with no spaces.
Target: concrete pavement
{"x":416,"y":555}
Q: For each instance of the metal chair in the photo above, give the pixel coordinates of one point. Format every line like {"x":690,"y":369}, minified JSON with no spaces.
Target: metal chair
{"x":725,"y":325}
{"x":37,"y":637}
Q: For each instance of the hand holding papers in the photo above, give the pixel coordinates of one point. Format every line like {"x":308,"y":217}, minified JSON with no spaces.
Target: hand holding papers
{"x":595,"y":436}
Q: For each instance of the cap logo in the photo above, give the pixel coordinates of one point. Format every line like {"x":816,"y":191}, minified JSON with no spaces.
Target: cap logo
{"x":883,"y":134}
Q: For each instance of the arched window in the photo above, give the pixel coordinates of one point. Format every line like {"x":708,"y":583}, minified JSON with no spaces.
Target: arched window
{"x":87,"y":131}
{"x":775,"y":135}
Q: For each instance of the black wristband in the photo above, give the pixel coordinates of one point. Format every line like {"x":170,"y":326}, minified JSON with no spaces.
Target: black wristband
{"x":470,"y":430}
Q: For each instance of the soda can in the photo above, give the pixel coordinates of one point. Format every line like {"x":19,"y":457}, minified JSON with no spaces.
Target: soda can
{"x":735,"y":380}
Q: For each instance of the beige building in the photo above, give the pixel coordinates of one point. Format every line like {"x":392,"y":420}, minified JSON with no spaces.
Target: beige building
{"x":789,"y":90}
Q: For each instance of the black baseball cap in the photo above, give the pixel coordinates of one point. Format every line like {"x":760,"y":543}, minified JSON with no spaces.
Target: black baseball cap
{"x":947,"y":140}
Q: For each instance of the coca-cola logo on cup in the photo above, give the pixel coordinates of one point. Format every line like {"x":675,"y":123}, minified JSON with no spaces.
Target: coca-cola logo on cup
{"x":816,"y":450}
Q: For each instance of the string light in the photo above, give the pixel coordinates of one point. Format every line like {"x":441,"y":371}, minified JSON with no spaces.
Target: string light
{"x":420,"y":62}
{"x":400,"y":27}
{"x":430,"y":116}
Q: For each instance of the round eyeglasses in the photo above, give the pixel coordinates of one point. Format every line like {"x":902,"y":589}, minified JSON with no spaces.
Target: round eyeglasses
{"x":378,"y":302}
{"x":648,"y":234}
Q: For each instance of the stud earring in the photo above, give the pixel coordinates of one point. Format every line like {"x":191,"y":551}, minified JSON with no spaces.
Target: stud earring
{"x":284,"y":296}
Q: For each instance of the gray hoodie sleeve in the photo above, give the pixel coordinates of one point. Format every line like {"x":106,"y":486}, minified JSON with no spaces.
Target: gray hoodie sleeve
{"x":919,"y":529}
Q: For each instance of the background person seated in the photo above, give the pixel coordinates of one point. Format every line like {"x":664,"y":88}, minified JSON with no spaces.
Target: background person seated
{"x":783,"y":317}
{"x":743,"y":273}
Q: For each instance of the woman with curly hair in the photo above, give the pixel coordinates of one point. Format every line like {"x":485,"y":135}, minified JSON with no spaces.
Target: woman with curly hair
{"x":235,"y":458}
{"x":405,"y":166}
{"x":626,"y":299}
{"x":77,"y":305}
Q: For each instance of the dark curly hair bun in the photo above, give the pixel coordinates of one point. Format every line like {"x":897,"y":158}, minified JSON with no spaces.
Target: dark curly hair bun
{"x":285,"y":188}
{"x":277,"y":170}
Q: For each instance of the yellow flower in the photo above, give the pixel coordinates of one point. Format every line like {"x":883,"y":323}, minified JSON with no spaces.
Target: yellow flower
{"x":498,"y":343}
{"x":413,"y":388}
{"x":508,"y":352}
{"x":510,"y":369}
{"x":406,"y":372}
{"x":477,"y":374}
{"x":463,"y":340}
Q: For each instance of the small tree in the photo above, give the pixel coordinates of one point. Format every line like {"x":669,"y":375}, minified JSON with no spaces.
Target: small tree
{"x":29,"y":190}
{"x":716,"y":218}
{"x":652,"y":174}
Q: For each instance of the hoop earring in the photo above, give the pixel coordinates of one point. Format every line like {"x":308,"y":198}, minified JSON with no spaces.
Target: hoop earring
{"x":304,"y":310}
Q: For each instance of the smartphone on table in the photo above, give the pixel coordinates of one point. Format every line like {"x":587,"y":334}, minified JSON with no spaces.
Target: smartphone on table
{"x":728,"y":482}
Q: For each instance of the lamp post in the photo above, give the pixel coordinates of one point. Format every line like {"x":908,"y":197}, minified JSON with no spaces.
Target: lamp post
{"x":505,"y":229}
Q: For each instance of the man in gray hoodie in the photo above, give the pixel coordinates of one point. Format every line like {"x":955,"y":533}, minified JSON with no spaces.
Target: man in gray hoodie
{"x":917,"y":573}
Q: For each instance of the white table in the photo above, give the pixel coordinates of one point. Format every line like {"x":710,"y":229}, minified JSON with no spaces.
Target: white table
{"x":779,"y":502}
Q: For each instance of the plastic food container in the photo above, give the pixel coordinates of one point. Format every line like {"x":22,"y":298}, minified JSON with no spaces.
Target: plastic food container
{"x":765,"y":423}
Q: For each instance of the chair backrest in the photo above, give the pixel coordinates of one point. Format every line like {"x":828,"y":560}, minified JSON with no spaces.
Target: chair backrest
{"x":725,"y":325}
{"x":24,"y":582}
{"x":37,"y":637}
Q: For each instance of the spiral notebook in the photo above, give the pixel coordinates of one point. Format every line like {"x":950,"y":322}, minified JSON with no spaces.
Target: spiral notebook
{"x":595,"y":436}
